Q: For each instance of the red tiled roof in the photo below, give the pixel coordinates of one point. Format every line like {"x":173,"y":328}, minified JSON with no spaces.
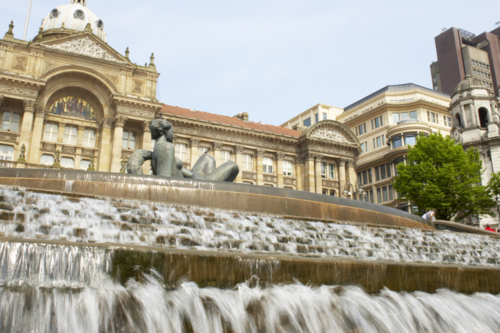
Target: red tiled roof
{"x":175,"y":110}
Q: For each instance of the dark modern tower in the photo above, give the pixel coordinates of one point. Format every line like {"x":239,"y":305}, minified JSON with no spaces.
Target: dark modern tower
{"x":462,"y":53}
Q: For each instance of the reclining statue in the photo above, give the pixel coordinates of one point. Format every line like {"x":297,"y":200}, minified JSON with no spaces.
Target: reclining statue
{"x":164,"y":162}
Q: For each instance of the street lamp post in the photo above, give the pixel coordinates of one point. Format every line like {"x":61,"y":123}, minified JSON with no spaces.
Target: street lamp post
{"x":349,"y":188}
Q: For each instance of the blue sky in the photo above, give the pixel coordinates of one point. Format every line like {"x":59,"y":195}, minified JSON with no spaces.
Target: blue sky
{"x":274,"y":58}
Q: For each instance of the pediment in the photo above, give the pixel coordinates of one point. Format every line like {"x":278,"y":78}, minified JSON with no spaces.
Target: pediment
{"x":87,"y":45}
{"x":331,"y":131}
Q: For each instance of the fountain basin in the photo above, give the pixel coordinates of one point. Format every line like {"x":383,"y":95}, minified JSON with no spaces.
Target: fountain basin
{"x":221,"y":195}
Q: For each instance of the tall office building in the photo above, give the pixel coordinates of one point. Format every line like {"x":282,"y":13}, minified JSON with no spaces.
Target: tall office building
{"x":462,"y":53}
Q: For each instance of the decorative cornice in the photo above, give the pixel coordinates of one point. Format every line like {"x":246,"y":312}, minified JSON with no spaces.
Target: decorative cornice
{"x":69,"y":68}
{"x":106,"y":123}
{"x":240,"y":149}
{"x":195,"y":142}
{"x":280,"y":156}
{"x":29,"y":105}
{"x":260,"y":153}
{"x":120,"y":121}
{"x":26,"y":80}
{"x":218,"y":145}
{"x":145,"y":126}
{"x":308,"y":157}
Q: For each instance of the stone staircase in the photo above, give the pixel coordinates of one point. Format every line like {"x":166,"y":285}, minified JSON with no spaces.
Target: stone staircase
{"x":52,"y":216}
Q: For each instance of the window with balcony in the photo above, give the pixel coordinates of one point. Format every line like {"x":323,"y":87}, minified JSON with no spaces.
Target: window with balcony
{"x":410,"y":139}
{"x":331,"y":171}
{"x":67,"y":162}
{"x":287,"y":168}
{"x":84,"y":165}
{"x":47,"y":159}
{"x":128,"y":140}
{"x":6,"y":153}
{"x":50,"y":133}
{"x":89,"y":138}
{"x":181,"y":151}
{"x":70,"y":135}
{"x":10,"y":121}
{"x":247,"y":162}
{"x":225,"y":156}
{"x":267,"y":165}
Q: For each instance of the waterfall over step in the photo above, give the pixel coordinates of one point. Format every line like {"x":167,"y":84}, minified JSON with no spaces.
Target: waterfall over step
{"x":76,"y":263}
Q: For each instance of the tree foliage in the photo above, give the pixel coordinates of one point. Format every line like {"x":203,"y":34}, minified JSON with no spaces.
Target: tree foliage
{"x":494,"y":184}
{"x":440,"y":175}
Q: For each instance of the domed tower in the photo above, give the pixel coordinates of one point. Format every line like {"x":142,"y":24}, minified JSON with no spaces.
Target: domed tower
{"x":474,"y":111}
{"x":73,"y":17}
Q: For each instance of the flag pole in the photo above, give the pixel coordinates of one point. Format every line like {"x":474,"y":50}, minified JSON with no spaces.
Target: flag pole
{"x":27,"y":21}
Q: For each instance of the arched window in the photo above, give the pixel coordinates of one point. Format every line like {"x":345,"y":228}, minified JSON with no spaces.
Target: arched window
{"x":458,"y":119}
{"x":483,"y":117}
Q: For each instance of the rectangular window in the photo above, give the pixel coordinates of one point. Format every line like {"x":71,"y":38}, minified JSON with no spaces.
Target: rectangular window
{"x":384,"y":194}
{"x":6,"y":153}
{"x":370,"y":176}
{"x":404,"y":115}
{"x":366,"y":146}
{"x":396,"y":166}
{"x":323,"y":170}
{"x":379,"y":141}
{"x":391,"y":195}
{"x":432,"y":117}
{"x":377,"y":122}
{"x":10,"y":121}
{"x":67,"y":162}
{"x":225,"y":156}
{"x":267,"y":165}
{"x":89,"y":138}
{"x":388,"y":169}
{"x":410,"y":140}
{"x":307,"y":122}
{"x":365,"y":177}
{"x":377,"y":175}
{"x":247,"y":162}
{"x":374,"y":145}
{"x":364,"y":126}
{"x":181,"y":151}
{"x":361,"y":129}
{"x":372,"y":199}
{"x":447,"y":121}
{"x":379,"y":195}
{"x":70,"y":135}
{"x":128,"y":140}
{"x":382,"y":172}
{"x":84,"y":164}
{"x":395,"y":118}
{"x":381,"y":121}
{"x":325,"y":116}
{"x":372,"y":124}
{"x":331,"y":171}
{"x":287,"y":168}
{"x":413,"y":114}
{"x":50,"y":132}
{"x":356,"y":130}
{"x":203,"y":150}
{"x":360,"y":179}
{"x":396,"y":142}
{"x":362,"y":148}
{"x":316,"y":117}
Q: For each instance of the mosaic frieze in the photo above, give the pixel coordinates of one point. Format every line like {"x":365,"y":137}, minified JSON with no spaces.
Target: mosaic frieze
{"x":73,"y":107}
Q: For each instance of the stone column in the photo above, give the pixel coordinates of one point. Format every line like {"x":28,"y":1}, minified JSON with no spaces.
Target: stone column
{"x":36,"y":138}
{"x":26,"y":125}
{"x":279,"y":167}
{"x":309,"y":173}
{"x":260,"y":167}
{"x":317,"y":171}
{"x":217,"y":148}
{"x":299,"y":171}
{"x":60,"y":133}
{"x":146,"y":144}
{"x":239,"y":160}
{"x":342,"y":179}
{"x":194,"y":151}
{"x":116,"y":152}
{"x":352,"y":174}
{"x":105,"y":145}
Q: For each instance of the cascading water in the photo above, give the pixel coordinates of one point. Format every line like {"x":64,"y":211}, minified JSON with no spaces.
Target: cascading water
{"x":69,"y":288}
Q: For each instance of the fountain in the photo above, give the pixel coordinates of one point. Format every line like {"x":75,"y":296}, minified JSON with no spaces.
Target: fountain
{"x":104,"y":252}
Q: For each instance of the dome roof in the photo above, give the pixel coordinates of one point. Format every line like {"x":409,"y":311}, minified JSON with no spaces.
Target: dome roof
{"x":74,"y":16}
{"x":468,"y":83}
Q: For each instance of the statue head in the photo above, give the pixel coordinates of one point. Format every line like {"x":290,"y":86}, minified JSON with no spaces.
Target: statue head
{"x":159,"y":127}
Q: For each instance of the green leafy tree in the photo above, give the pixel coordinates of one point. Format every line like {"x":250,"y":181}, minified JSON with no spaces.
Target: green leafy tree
{"x":494,"y":184}
{"x":440,"y":175}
